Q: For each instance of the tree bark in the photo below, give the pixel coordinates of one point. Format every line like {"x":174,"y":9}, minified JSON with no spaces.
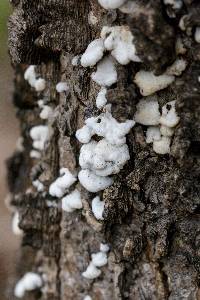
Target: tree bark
{"x":151,"y":216}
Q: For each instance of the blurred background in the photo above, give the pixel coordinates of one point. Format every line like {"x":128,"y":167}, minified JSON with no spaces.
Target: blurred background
{"x":9,"y":132}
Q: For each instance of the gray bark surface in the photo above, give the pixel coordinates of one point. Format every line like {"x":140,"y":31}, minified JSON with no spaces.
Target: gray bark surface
{"x":151,"y":217}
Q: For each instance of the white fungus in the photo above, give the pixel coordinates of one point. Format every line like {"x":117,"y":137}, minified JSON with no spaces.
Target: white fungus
{"x":162,"y":146}
{"x":29,"y":282}
{"x":176,"y":4}
{"x":30,"y":75}
{"x":177,"y":67}
{"x":99,"y":259}
{"x":147,"y":112}
{"x":72,"y":201}
{"x":38,"y":185}
{"x":91,"y":272}
{"x":92,"y":182}
{"x":166,"y":131}
{"x":84,"y":134}
{"x":169,"y":116}
{"x":101,"y":98}
{"x":39,"y":135}
{"x":75,"y":60}
{"x":119,"y":40}
{"x":40,"y":85}
{"x":103,"y":158}
{"x":62,"y":87}
{"x":59,"y":187}
{"x":150,"y":83}
{"x":46,"y":110}
{"x":152,"y":134}
{"x":93,"y":53}
{"x":104,"y":248}
{"x":197,"y":34}
{"x":92,"y":19}
{"x":87,"y":297}
{"x":35,"y":154}
{"x":111,"y":4}
{"x":106,"y":73}
{"x":106,"y":126}
{"x":19,"y":144}
{"x":98,"y":208}
{"x":15,"y":224}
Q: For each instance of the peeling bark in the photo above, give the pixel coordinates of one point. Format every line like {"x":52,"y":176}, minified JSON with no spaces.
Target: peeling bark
{"x":151,"y":217}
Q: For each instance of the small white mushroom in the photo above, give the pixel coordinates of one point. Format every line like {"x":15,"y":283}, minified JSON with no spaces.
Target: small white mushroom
{"x":99,"y":259}
{"x":106,"y":73}
{"x":169,"y":116}
{"x":152,"y":134}
{"x":87,"y":297}
{"x":29,"y":282}
{"x":38,"y":185}
{"x":72,"y":201}
{"x":93,"y":53}
{"x":101,"y":98}
{"x":166,"y":131}
{"x":62,"y":87}
{"x":59,"y":187}
{"x":39,"y":135}
{"x":119,"y":40}
{"x":162,"y":146}
{"x":84,"y":134}
{"x":92,"y":182}
{"x":197,"y":34}
{"x":177,"y":67}
{"x":150,"y":83}
{"x":91,"y":272}
{"x":111,"y":4}
{"x":30,"y":75}
{"x":104,"y":248}
{"x":98,"y":208}
{"x":15,"y":224}
{"x":147,"y":112}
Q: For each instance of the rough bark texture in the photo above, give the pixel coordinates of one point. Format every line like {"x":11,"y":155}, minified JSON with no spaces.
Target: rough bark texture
{"x":151,"y":220}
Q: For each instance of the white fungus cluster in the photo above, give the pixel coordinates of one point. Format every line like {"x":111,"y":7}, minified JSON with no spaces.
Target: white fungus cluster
{"x":72,"y":201}
{"x":62,"y":87}
{"x":101,"y":98}
{"x":106,"y":73}
{"x":103,"y":158}
{"x":38,"y":83}
{"x":98,"y":208}
{"x":161,"y":126}
{"x":39,"y":135}
{"x":105,"y":126}
{"x":98,"y":260}
{"x":119,"y":40}
{"x":38,"y":185}
{"x":100,"y":159}
{"x":59,"y":187}
{"x":29,"y":282}
{"x":46,"y":110}
{"x":93,"y":53}
{"x":15,"y":224}
{"x":150,"y":83}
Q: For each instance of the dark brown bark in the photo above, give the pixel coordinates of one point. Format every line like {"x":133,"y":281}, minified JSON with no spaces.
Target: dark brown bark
{"x":151,"y":220}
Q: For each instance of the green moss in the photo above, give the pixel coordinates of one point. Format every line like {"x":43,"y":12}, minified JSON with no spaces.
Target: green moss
{"x":5,"y":11}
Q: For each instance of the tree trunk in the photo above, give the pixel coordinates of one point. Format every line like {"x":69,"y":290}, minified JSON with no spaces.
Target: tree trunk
{"x":151,"y":215}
